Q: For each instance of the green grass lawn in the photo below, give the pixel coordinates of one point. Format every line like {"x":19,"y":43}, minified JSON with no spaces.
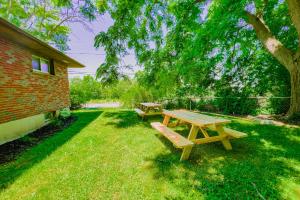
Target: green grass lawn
{"x":112,"y":154}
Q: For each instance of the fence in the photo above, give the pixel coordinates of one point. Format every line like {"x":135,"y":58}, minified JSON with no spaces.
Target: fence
{"x":230,"y":104}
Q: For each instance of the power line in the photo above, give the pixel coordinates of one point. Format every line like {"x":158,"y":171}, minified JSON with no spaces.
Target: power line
{"x":87,"y":53}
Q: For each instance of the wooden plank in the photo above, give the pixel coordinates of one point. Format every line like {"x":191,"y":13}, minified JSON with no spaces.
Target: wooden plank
{"x":139,"y":112}
{"x":225,"y":141}
{"x":178,"y":140}
{"x":234,"y":133}
{"x":204,"y":132}
{"x":195,"y":118}
{"x":151,"y":104}
{"x":193,"y":132}
{"x":146,"y":109}
{"x":187,"y":150}
{"x":186,"y":153}
{"x":208,"y":139}
{"x":153,"y":113}
{"x":166,"y":120}
{"x":230,"y":132}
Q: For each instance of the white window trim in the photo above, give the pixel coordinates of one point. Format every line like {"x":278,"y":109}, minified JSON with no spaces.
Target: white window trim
{"x":40,"y":59}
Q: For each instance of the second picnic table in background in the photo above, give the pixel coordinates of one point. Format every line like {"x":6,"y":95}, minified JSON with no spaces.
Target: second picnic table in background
{"x":148,"y":109}
{"x":198,"y":122}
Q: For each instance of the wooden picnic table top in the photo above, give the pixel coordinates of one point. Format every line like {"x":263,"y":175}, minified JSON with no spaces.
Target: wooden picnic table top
{"x":151,"y":104}
{"x":195,"y":118}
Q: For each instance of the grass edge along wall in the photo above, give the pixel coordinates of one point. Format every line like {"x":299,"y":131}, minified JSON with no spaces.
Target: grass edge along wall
{"x":34,"y":82}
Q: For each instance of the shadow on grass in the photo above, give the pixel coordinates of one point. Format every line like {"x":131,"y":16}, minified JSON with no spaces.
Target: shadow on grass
{"x":254,"y":169}
{"x":10,"y":171}
{"x":128,"y":118}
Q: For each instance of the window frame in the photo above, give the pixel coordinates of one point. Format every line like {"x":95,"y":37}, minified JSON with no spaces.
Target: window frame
{"x":36,"y":58}
{"x":41,"y":60}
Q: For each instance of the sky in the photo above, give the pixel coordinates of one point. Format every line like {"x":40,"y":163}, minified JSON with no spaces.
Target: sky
{"x":82,"y":47}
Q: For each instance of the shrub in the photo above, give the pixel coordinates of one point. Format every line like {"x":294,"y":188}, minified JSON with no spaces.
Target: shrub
{"x":237,"y":105}
{"x":208,"y":105}
{"x":83,"y":90}
{"x":76,"y":100}
{"x":279,"y":105}
{"x":115,"y":91}
{"x":65,"y":113}
{"x":177,"y":103}
{"x":234,"y":101}
{"x":135,"y":94}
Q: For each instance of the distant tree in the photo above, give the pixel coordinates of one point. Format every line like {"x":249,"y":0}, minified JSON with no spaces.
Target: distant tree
{"x":83,"y":90}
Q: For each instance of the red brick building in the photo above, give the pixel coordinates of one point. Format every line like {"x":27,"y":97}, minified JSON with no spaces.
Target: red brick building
{"x":33,"y":82}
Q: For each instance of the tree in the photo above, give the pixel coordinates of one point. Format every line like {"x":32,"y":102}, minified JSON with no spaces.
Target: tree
{"x":47,"y":20}
{"x":83,"y":90}
{"x":229,"y":42}
{"x":287,"y":57}
{"x":110,"y":74}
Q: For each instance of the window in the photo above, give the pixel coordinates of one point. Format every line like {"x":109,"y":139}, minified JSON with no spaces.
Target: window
{"x":35,"y":63}
{"x":45,"y":65}
{"x":42,"y":64}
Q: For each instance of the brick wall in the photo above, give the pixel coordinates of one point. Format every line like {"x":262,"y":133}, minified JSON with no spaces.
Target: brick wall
{"x":25,"y":93}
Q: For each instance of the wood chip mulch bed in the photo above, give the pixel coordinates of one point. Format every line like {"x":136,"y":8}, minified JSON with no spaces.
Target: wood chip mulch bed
{"x":9,"y":151}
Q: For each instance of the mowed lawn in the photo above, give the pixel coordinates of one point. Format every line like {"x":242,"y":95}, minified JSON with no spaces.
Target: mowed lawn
{"x":112,"y":154}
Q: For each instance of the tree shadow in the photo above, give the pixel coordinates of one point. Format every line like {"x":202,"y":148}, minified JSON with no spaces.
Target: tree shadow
{"x":10,"y":171}
{"x":11,"y":150}
{"x":254,"y":168}
{"x":122,"y":119}
{"x":128,"y":118}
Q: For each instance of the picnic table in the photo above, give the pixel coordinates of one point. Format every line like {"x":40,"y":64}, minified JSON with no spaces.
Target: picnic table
{"x":148,"y":109}
{"x":198,"y":123}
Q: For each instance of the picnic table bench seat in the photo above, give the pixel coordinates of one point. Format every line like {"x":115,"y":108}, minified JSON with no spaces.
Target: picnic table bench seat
{"x":139,"y":112}
{"x":231,"y":132}
{"x":235,"y":133}
{"x":149,"y":109}
{"x":178,"y":140}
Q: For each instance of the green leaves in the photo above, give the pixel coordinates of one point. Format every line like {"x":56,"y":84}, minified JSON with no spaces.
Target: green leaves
{"x":88,"y":10}
{"x":107,"y":74}
{"x":194,"y":48}
{"x":47,"y":20}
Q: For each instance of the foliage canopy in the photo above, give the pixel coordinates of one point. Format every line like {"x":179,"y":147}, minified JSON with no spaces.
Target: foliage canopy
{"x":48,"y":20}
{"x":203,"y":47}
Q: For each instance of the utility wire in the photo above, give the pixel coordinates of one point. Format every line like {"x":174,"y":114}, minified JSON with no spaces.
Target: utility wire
{"x":87,"y":53}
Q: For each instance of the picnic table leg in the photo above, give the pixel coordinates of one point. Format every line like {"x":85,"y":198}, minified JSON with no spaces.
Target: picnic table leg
{"x":166,"y":120}
{"x":225,"y":142}
{"x":204,"y":132}
{"x":187,"y":150}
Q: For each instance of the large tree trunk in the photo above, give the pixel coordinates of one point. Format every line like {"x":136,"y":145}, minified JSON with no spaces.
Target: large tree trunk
{"x":294,"y":110}
{"x":290,"y":60}
{"x":294,"y":10}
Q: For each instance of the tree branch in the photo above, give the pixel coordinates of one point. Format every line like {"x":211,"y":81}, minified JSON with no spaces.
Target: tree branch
{"x":59,"y":24}
{"x":274,"y":46}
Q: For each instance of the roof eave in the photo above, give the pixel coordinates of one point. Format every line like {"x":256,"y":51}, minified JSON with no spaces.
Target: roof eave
{"x":16,"y":34}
